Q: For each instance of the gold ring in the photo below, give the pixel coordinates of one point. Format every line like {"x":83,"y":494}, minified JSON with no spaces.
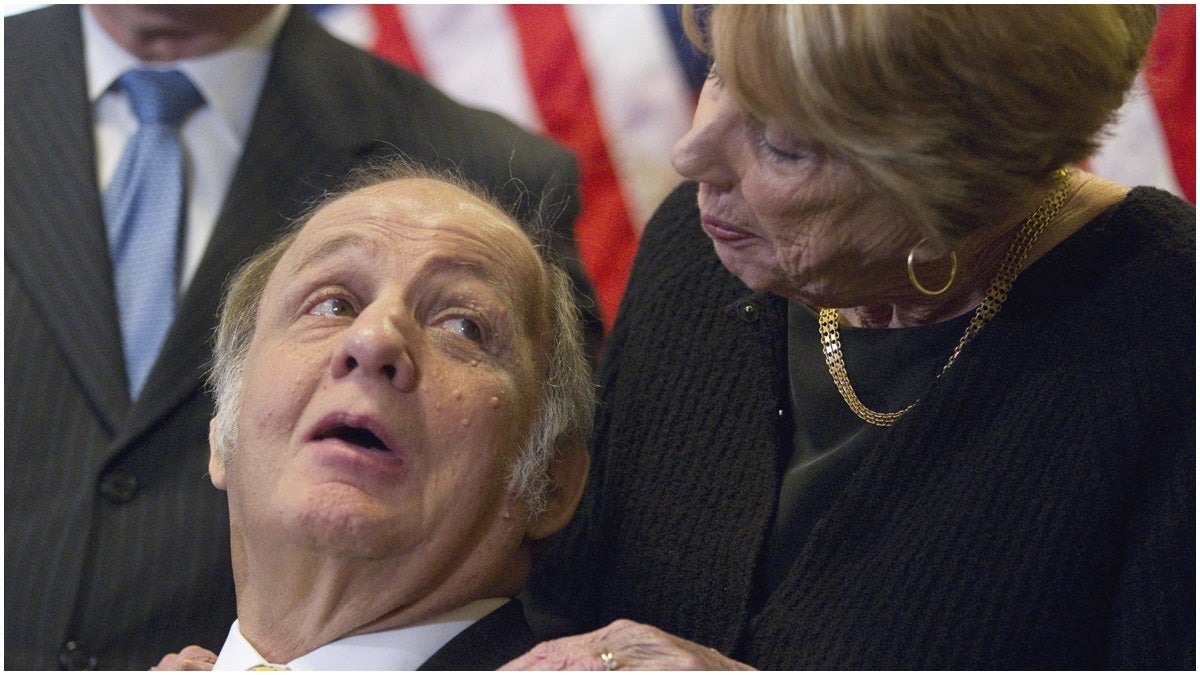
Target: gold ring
{"x":609,"y":661}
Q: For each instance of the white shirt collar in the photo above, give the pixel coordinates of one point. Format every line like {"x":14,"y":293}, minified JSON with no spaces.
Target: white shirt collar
{"x":397,"y":649}
{"x":230,"y":79}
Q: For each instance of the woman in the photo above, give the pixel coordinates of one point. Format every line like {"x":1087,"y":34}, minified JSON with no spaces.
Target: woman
{"x":891,"y":387}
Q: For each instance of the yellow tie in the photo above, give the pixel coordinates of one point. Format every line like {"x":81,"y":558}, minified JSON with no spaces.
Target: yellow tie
{"x":266,"y":667}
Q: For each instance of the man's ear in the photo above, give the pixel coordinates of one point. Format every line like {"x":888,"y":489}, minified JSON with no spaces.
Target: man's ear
{"x":568,"y":475}
{"x":216,"y":466}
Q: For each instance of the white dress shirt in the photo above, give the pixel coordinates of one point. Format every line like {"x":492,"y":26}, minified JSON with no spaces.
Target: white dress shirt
{"x":213,"y":138}
{"x":397,"y":649}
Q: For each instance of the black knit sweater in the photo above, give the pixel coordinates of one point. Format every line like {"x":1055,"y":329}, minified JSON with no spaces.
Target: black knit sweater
{"x":1036,"y":509}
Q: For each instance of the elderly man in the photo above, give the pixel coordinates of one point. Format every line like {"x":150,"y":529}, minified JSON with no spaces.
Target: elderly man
{"x":403,"y":403}
{"x":113,"y":271}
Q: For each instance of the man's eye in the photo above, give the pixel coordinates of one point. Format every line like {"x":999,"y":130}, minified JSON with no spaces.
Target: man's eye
{"x":464,"y":327}
{"x":333,"y":307}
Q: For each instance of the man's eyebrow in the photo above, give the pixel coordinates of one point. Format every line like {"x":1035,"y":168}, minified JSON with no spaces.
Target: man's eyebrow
{"x":433,"y":267}
{"x":330,"y":247}
{"x":449,"y":264}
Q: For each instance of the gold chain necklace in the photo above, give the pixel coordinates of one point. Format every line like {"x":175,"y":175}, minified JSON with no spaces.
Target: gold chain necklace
{"x":997,"y":293}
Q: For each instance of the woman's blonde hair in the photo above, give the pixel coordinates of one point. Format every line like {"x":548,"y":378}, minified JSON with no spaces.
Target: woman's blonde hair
{"x":953,"y":112}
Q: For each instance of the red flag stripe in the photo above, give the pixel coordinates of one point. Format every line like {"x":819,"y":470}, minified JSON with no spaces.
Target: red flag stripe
{"x":556,"y":74}
{"x":391,"y":38}
{"x":1171,"y":78}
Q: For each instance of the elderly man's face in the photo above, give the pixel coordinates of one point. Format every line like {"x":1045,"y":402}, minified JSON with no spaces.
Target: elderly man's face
{"x":391,"y":376}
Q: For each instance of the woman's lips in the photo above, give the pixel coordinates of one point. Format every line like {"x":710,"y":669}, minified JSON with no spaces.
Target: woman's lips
{"x":722,"y":231}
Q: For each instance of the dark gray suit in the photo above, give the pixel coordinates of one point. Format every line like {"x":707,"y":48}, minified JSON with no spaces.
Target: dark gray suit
{"x":487,"y":644}
{"x":116,"y":544}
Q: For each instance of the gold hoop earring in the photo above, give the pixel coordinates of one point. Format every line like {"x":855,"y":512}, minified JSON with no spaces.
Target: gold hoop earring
{"x":912,"y":275}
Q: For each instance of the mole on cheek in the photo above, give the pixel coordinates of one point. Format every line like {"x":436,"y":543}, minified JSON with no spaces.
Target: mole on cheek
{"x":495,"y":402}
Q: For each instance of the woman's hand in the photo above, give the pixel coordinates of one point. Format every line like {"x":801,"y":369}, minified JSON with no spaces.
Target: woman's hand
{"x":623,"y":645}
{"x":188,"y":658}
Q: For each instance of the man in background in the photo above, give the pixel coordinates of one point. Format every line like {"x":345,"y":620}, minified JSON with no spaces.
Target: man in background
{"x":116,"y":546}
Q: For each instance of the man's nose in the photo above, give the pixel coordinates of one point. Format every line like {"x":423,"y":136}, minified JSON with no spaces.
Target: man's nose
{"x":375,"y":346}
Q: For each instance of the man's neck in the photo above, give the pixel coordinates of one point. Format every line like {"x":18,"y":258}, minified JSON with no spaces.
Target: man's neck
{"x":294,"y":603}
{"x":405,"y":648}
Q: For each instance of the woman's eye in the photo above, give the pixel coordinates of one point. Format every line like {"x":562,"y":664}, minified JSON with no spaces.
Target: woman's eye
{"x":781,"y":153}
{"x":464,"y":327}
{"x":783,"y":149}
{"x":333,"y":307}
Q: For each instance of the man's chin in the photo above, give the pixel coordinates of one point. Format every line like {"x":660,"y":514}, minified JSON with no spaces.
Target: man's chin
{"x":346,"y":522}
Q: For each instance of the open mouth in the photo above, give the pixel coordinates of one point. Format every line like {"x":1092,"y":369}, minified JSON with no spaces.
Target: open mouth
{"x":358,"y":436}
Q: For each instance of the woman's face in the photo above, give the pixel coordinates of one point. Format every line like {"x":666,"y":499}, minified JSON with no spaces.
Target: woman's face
{"x":784,"y":216}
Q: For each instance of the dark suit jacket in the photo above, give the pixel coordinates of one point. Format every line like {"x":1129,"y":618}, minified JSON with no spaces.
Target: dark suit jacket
{"x":486,"y":644}
{"x":116,"y":546}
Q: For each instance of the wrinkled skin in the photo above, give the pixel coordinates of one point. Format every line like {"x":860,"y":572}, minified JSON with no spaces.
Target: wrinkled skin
{"x":634,"y":646}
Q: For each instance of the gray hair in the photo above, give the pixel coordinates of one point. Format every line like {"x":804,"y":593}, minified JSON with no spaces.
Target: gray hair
{"x":566,"y":396}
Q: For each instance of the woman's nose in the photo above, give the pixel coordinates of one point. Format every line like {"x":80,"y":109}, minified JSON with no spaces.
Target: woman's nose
{"x":702,"y":154}
{"x":375,"y":347}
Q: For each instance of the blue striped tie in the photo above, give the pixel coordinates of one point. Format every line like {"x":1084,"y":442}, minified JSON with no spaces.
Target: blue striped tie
{"x":143,"y":209}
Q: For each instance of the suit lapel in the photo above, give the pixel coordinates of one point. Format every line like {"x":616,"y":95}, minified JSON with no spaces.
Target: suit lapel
{"x":288,"y":159}
{"x":55,"y":230}
{"x":488,"y":643}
